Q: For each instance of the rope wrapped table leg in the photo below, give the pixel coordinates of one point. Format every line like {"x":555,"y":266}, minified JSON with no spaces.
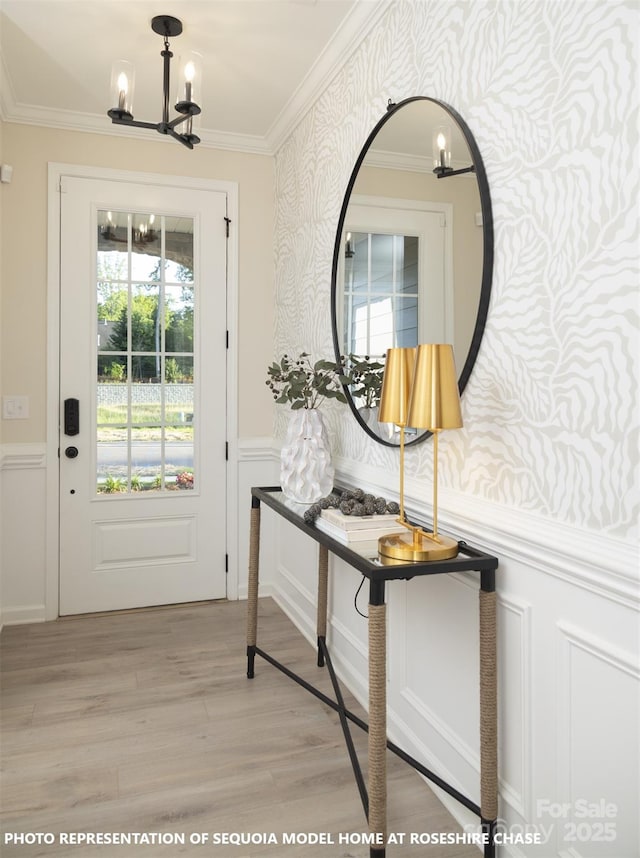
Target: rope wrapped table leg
{"x":252,"y":588}
{"x":377,"y":721}
{"x":321,"y":615}
{"x":323,"y":574}
{"x":488,"y":708}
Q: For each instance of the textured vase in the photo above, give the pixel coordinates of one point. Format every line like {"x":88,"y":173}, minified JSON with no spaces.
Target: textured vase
{"x":306,"y":472}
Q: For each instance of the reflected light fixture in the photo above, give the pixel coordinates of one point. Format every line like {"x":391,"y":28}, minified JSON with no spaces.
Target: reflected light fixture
{"x":348,"y":247}
{"x":434,"y":405}
{"x":441,"y":142}
{"x":142,"y":234}
{"x":122,"y":82}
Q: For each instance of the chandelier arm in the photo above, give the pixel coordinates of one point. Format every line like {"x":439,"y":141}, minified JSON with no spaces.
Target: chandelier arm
{"x":136,"y":123}
{"x":181,"y":138}
{"x":175,"y":122}
{"x":444,"y":173}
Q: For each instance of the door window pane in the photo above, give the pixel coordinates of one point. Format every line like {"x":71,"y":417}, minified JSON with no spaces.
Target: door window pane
{"x":179,"y":250}
{"x":146,"y":247}
{"x":178,"y":314}
{"x":113,"y":246}
{"x":145,"y":300}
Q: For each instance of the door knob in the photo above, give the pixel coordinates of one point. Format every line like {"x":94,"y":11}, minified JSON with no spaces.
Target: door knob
{"x":71,"y":452}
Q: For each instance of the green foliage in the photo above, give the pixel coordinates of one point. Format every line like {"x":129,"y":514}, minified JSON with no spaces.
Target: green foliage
{"x":301,"y":384}
{"x":112,"y":485}
{"x":111,"y":301}
{"x":116,"y":371}
{"x":172,"y":370}
{"x":365,"y":375}
{"x":144,"y":327}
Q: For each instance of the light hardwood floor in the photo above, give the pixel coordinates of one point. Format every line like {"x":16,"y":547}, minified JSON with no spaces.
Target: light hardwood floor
{"x":145,"y":722}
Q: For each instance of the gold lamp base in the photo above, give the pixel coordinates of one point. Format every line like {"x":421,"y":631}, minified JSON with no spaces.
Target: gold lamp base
{"x":416,"y":546}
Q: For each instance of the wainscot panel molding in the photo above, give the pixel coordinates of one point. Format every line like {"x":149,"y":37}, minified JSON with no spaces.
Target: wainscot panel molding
{"x":23,"y":481}
{"x":23,"y":470}
{"x":602,"y":564}
{"x":587,"y":663}
{"x":22,"y":456}
{"x":252,"y":462}
{"x":433,"y":715}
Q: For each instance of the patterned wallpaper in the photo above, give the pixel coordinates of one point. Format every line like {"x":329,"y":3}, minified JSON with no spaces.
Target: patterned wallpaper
{"x":550,"y":91}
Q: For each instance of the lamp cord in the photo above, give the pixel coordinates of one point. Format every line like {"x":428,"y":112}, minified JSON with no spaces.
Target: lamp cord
{"x":355,"y":601}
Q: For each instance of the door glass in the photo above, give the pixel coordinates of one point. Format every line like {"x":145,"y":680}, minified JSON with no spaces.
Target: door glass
{"x":145,"y":414}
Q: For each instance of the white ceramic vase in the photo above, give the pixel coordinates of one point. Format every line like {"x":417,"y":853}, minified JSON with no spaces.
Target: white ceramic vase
{"x":306,"y":472}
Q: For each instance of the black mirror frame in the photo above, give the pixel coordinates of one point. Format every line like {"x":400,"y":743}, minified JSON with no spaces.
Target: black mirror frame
{"x":487,"y":259}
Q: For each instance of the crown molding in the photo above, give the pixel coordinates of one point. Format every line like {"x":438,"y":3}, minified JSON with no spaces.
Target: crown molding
{"x":410,"y":163}
{"x":354,"y":28}
{"x":357,"y":24}
{"x":69,"y":120}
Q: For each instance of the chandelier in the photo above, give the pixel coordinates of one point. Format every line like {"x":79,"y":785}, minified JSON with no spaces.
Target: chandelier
{"x":122,"y":83}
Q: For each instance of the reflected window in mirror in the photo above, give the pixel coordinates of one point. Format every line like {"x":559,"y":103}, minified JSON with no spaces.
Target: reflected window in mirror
{"x":380,"y":293}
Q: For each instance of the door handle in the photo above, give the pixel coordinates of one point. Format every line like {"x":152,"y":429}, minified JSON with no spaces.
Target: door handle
{"x":71,"y":417}
{"x":71,"y":452}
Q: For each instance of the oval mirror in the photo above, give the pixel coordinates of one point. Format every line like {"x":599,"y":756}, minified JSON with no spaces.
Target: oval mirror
{"x":413,"y":254}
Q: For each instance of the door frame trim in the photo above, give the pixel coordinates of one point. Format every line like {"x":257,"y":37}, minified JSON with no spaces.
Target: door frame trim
{"x":56,"y":171}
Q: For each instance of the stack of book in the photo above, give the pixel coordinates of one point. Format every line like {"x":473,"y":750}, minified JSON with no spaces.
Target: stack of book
{"x":357,"y":528}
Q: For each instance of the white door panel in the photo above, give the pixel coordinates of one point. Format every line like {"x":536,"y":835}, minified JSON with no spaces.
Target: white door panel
{"x":143,"y":350}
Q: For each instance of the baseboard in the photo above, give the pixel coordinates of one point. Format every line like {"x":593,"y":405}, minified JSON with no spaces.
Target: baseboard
{"x":266,"y":590}
{"x":22,"y":614}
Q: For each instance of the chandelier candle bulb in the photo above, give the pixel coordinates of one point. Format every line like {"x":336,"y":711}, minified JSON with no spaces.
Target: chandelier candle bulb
{"x":188,"y":86}
{"x":441,"y":145}
{"x":123,"y":86}
{"x":122,"y":77}
{"x":189,"y":72}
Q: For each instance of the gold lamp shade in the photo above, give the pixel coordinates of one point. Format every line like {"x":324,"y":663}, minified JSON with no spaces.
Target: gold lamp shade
{"x":396,"y":386}
{"x":434,"y":404}
{"x":435,"y":401}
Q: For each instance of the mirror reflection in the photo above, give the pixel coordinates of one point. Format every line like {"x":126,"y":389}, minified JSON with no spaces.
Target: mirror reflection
{"x":413,"y":253}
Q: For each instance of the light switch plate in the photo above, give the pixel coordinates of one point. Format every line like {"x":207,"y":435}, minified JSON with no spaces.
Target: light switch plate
{"x":15,"y":407}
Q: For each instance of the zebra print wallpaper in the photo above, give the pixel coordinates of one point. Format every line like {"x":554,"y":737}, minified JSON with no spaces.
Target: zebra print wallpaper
{"x":550,"y":92}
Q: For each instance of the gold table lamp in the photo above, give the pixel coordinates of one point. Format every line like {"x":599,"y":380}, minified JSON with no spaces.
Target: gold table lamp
{"x":394,"y":401}
{"x":434,"y":404}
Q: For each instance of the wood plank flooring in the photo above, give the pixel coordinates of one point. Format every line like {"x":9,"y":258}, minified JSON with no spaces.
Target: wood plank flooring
{"x":145,"y":722}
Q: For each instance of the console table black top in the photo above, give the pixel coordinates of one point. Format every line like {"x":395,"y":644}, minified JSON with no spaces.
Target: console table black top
{"x":365,"y":558}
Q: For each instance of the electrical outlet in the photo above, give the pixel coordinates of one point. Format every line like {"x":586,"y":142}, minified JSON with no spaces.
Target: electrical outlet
{"x":15,"y":407}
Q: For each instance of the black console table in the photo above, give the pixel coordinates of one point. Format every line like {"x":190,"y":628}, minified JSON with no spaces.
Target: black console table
{"x":373,"y":792}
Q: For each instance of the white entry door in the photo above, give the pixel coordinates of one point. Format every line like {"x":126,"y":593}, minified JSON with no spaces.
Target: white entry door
{"x":143,"y":395}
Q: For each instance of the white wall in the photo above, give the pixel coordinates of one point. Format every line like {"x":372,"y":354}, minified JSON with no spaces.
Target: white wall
{"x":544,"y":474}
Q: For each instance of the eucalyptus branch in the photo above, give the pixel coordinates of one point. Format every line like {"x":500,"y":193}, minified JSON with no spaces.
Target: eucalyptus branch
{"x":299,"y":383}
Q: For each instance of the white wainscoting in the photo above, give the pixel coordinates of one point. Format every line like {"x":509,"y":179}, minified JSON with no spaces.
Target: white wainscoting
{"x":569,"y":688}
{"x":256,"y":464}
{"x":23,"y":485}
{"x":23,"y":591}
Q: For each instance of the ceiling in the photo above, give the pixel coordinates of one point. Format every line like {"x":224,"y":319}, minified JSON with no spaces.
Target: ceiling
{"x":264,"y":61}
